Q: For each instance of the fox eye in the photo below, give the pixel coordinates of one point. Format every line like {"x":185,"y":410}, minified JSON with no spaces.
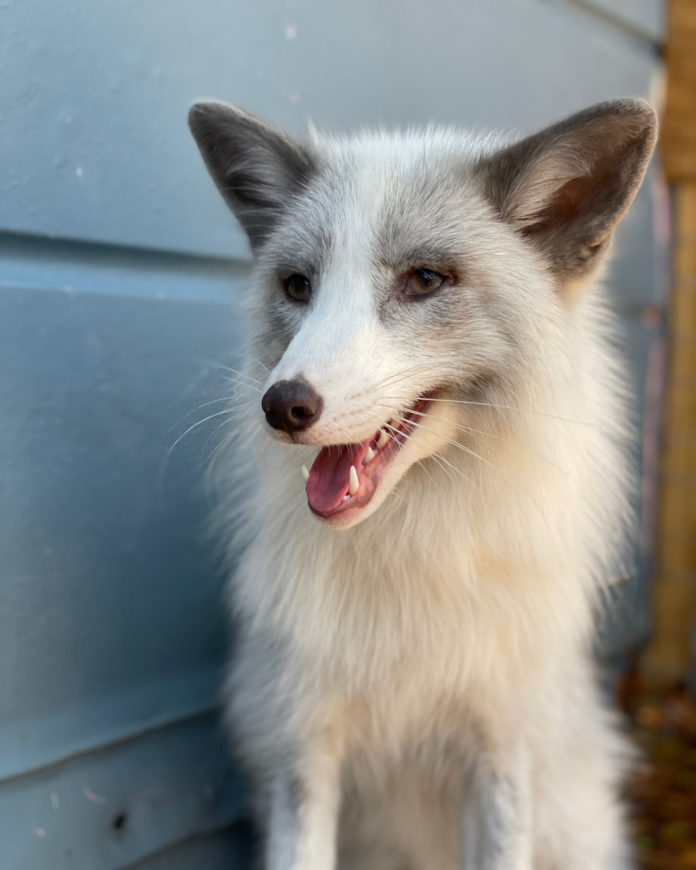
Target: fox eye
{"x":422,"y":281}
{"x":298,"y":287}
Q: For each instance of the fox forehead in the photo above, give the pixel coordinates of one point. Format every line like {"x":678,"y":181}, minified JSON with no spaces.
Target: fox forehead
{"x":386,"y":200}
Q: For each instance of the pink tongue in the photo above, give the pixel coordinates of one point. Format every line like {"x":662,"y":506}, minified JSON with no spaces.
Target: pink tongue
{"x":329,"y":477}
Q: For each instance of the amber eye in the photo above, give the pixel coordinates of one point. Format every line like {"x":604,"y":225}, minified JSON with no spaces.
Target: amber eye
{"x":422,"y":281}
{"x":298,"y":288}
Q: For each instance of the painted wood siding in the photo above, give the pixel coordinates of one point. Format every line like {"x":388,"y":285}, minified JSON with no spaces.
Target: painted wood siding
{"x":120,"y":274}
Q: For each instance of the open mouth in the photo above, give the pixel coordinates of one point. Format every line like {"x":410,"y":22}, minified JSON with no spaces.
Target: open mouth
{"x":346,"y":476}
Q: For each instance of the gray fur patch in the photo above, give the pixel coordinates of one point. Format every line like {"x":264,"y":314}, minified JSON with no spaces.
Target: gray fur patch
{"x":257,"y":168}
{"x":566,"y":187}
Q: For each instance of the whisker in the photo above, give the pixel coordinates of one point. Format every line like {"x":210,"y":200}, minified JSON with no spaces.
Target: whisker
{"x":514,"y":408}
{"x":440,"y":458}
{"x":471,"y":429}
{"x":392,"y":380}
{"x":472,"y":453}
{"x":448,"y":440}
{"x":461,"y":426}
{"x":218,"y":364}
{"x":394,"y":433}
{"x":218,"y":452}
{"x":437,"y":459}
{"x":238,"y":376}
{"x":247,"y":385}
{"x":199,"y":423}
{"x":504,"y":407}
{"x":207,"y":404}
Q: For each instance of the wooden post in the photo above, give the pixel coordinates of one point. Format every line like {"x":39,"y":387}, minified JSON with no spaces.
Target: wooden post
{"x":670,"y":654}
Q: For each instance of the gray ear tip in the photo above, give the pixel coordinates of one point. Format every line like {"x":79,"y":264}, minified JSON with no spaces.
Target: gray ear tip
{"x":198,"y":114}
{"x":632,"y":118}
{"x":209,"y":114}
{"x":650,"y":117}
{"x":647,"y":124}
{"x":203,"y":112}
{"x":641,"y":111}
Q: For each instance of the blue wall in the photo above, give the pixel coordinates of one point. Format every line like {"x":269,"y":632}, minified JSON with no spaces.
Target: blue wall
{"x":120,"y":270}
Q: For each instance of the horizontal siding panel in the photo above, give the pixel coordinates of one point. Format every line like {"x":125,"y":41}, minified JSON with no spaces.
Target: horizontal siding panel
{"x":119,"y":806}
{"x":644,"y":18}
{"x":99,"y":149}
{"x":31,"y":262}
{"x":110,"y":613}
{"x":231,"y":850}
{"x":32,"y":742}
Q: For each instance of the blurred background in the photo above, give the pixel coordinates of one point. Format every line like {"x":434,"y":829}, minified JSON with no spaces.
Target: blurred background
{"x":120,"y":274}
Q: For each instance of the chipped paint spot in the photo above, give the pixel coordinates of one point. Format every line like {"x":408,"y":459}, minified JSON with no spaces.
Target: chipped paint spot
{"x":40,"y":832}
{"x":290,"y":31}
{"x":55,"y":801}
{"x":93,"y":796}
{"x":79,"y":171}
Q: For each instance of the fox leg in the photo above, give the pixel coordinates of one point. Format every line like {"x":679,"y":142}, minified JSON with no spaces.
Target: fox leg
{"x":303,"y":818}
{"x":497,"y":824}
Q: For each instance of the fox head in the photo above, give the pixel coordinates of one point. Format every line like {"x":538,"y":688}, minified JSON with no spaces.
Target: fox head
{"x":410,"y":286}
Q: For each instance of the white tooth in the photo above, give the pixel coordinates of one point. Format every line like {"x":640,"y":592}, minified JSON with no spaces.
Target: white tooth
{"x":305,"y":473}
{"x":383,"y":439}
{"x":369,"y":456}
{"x":354,"y":482}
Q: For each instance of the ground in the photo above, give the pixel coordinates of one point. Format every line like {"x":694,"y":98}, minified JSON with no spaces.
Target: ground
{"x":663,"y":793}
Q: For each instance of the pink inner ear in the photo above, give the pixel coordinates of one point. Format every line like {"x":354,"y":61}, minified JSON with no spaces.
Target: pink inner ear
{"x":565,"y":205}
{"x":567,"y":187}
{"x":571,"y":198}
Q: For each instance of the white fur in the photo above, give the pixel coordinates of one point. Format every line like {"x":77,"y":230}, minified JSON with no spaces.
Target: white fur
{"x":425,"y":673}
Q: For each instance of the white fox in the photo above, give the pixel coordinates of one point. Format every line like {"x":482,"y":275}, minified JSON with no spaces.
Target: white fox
{"x":415,"y":577}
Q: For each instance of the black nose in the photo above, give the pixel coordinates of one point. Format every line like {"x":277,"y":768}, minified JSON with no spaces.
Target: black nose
{"x":291,"y":405}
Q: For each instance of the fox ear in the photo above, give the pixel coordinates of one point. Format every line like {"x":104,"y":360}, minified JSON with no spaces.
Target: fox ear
{"x":256,"y":167}
{"x":566,"y":188}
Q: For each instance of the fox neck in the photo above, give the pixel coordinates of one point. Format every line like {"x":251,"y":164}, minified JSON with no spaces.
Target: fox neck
{"x":457,"y":544}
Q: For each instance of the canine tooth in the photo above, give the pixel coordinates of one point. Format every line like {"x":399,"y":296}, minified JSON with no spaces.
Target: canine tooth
{"x":354,"y":482}
{"x":369,"y":456}
{"x":383,"y":439}
{"x":305,"y":473}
